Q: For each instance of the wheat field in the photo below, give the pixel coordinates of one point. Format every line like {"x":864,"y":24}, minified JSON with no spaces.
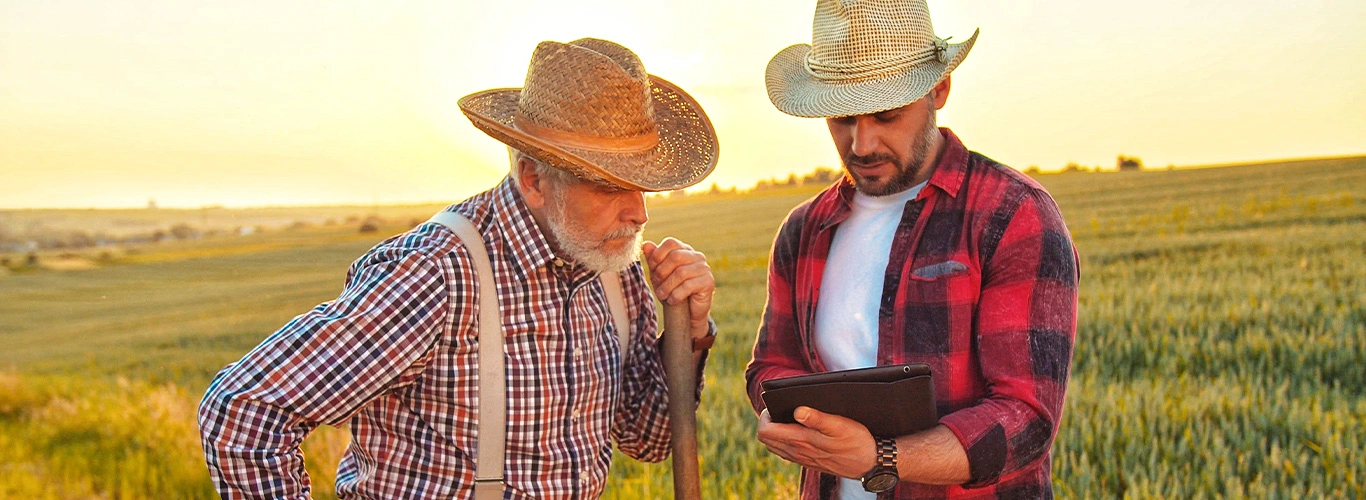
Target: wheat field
{"x":1220,"y":353}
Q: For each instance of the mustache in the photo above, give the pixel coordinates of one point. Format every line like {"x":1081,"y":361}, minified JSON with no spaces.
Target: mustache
{"x":628,"y":231}
{"x":853,"y":160}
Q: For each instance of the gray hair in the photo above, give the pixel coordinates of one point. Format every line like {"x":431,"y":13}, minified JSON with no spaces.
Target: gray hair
{"x":558,"y":176}
{"x":543,"y":170}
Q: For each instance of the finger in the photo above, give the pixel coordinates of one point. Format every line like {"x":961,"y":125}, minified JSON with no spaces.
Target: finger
{"x":699,"y":287}
{"x":825,"y":423}
{"x":683,"y":282}
{"x":667,"y":249}
{"x":666,"y":261}
{"x":648,"y":248}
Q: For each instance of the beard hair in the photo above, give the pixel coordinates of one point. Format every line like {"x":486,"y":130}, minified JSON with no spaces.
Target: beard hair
{"x":906,"y":171}
{"x":584,"y":248}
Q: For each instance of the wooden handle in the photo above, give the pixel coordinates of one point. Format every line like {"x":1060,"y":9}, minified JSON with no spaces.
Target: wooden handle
{"x":681,"y":375}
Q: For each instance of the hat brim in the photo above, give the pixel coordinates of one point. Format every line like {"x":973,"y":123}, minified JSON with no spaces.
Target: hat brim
{"x":795,"y":91}
{"x":687,"y":151}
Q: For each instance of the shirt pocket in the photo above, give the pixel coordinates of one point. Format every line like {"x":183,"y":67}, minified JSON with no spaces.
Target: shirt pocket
{"x":939,"y":271}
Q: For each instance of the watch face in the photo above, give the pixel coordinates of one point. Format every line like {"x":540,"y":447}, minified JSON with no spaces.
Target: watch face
{"x":880,"y":482}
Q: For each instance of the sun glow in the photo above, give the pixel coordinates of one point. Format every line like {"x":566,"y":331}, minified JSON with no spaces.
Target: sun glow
{"x":253,"y":103}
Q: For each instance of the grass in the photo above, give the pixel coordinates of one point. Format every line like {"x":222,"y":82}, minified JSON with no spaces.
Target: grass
{"x":1221,"y":349}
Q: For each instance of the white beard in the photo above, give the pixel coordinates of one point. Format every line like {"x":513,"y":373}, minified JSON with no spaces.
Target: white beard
{"x":586,"y":250}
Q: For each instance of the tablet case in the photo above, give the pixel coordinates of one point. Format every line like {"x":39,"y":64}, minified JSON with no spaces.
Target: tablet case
{"x":890,"y":401}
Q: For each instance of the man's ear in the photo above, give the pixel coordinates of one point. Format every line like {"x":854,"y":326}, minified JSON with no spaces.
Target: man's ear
{"x":530,"y":182}
{"x":941,"y":92}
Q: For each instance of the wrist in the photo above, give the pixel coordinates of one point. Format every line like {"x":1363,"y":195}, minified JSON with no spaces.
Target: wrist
{"x":705,"y":341}
{"x":883,"y":476}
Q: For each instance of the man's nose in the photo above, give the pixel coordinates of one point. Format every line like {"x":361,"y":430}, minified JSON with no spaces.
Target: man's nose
{"x":633,"y":208}
{"x":864,"y":136}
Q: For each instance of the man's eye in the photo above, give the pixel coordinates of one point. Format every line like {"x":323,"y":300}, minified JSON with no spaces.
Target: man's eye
{"x":886,"y":118}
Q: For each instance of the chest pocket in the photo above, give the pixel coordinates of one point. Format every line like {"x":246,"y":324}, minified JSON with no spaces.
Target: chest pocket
{"x":940,"y":270}
{"x":939,"y":282}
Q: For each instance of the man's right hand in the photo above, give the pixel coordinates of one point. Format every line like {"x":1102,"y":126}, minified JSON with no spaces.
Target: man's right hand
{"x":821,"y":441}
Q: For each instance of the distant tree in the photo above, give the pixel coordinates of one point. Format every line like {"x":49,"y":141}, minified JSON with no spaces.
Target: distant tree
{"x":80,"y":239}
{"x":183,"y":231}
{"x":1073,"y":167}
{"x":371,"y":224}
{"x":1128,"y":163}
{"x":821,"y":176}
{"x":1032,"y":170}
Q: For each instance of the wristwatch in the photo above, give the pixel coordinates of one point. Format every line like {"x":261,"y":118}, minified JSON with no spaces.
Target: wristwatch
{"x":704,"y":343}
{"x":883,"y":477}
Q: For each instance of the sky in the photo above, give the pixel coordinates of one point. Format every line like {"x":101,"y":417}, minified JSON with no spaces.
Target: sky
{"x":253,"y":102}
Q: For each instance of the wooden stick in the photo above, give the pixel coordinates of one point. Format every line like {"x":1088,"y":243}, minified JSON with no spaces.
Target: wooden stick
{"x":681,"y":375}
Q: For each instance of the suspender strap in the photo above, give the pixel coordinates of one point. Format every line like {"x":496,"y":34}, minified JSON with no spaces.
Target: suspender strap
{"x":489,"y":479}
{"x":492,"y":420}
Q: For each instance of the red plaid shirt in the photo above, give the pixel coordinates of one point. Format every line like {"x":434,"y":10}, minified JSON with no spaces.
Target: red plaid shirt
{"x":396,"y":356}
{"x":982,"y":286}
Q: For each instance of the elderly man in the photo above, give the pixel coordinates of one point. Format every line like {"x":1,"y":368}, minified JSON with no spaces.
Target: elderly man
{"x":398,"y":354}
{"x":923,"y":252}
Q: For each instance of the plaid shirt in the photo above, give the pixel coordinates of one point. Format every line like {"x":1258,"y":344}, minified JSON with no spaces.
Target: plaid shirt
{"x":982,"y":286}
{"x":396,"y":356}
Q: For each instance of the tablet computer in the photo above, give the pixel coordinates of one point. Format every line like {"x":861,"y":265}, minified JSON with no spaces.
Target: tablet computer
{"x":890,"y":401}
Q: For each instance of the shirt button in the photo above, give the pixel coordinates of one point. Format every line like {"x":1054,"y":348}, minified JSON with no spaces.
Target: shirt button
{"x":559,"y":262}
{"x":578,"y":352}
{"x":576,"y":415}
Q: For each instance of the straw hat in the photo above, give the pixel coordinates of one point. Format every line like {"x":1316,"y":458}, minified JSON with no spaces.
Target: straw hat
{"x":588,"y":107}
{"x":865,"y":57}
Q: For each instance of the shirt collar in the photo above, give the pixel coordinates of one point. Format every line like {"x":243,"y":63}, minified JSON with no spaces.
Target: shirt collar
{"x":834,"y":205}
{"x":522,"y":236}
{"x":951,"y":167}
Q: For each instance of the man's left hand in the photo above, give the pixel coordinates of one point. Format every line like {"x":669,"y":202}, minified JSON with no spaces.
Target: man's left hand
{"x":680,"y":274}
{"x":821,"y":441}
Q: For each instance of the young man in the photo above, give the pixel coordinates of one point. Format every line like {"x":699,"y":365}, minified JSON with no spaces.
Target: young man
{"x":923,"y":252}
{"x":397,"y":354}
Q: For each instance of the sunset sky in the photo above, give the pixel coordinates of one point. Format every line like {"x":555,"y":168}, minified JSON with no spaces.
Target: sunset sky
{"x":248,"y":103}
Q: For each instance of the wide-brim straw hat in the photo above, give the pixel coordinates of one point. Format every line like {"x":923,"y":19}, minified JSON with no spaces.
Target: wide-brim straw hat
{"x":589,"y":107}
{"x":865,"y":57}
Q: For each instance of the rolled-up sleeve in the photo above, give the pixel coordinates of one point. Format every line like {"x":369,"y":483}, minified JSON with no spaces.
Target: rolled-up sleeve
{"x":1025,"y":327}
{"x":777,"y":348}
{"x":641,"y":422}
{"x":321,"y":367}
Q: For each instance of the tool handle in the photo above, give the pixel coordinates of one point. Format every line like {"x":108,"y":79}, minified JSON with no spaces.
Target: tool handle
{"x":681,"y":376}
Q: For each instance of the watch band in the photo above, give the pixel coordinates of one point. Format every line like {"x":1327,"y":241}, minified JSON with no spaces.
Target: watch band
{"x":884,"y":475}
{"x":703,"y":343}
{"x":886,"y":453}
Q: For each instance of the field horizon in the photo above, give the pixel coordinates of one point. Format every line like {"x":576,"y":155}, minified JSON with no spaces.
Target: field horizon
{"x":362,"y":206}
{"x":1221,"y":346}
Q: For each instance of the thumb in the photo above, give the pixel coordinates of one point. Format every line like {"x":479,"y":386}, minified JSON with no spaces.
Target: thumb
{"x":648,"y":248}
{"x":811,"y":418}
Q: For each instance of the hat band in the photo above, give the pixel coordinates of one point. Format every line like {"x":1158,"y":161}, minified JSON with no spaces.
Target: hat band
{"x":636,"y":144}
{"x":853,"y":72}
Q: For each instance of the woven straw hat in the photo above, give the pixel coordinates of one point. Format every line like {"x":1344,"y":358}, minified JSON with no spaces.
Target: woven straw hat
{"x":865,"y":57}
{"x":588,"y":107}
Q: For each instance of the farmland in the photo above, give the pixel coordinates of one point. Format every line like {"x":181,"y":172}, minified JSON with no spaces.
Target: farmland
{"x":1221,"y":347}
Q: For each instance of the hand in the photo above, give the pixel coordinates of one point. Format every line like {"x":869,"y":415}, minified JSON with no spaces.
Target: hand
{"x":821,"y":441}
{"x":679,"y":273}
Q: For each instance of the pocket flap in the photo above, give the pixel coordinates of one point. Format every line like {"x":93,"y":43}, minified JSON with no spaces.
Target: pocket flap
{"x":941,"y":269}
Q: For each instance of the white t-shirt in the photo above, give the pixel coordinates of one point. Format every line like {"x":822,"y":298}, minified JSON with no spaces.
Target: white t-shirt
{"x":851,"y":291}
